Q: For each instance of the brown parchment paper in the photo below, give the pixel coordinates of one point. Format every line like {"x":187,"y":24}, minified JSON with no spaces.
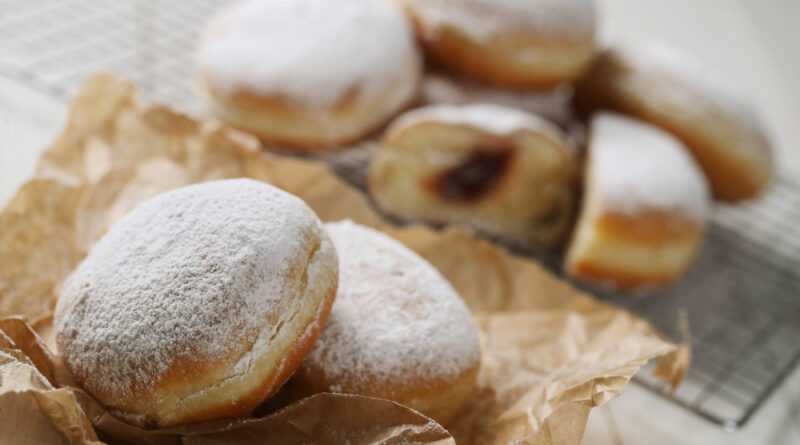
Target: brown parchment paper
{"x":550,"y":353}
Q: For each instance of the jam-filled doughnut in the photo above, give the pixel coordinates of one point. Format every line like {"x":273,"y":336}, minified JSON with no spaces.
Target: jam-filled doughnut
{"x":309,"y":74}
{"x":665,"y":88}
{"x":198,"y":304}
{"x":644,"y":208}
{"x":500,"y":170}
{"x":512,"y":43}
{"x":397,"y":330}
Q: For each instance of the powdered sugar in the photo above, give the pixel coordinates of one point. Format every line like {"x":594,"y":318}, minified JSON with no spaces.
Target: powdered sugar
{"x":494,"y":119}
{"x":635,"y":166}
{"x":189,"y":276}
{"x":694,"y":91}
{"x":314,"y":52}
{"x":395,"y":317}
{"x":483,"y":19}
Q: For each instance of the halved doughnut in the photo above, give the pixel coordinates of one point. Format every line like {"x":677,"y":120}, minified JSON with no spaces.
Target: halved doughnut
{"x":503,"y":171}
{"x":644,"y":208}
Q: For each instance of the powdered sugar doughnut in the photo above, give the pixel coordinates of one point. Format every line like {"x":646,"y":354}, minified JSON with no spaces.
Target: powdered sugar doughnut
{"x":513,"y":43}
{"x":500,"y":170}
{"x":673,"y":92}
{"x":397,"y":330}
{"x":553,"y":104}
{"x":645,"y":205}
{"x":199,"y":303}
{"x":309,"y":74}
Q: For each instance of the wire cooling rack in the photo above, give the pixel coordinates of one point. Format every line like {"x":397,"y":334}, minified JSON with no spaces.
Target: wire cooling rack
{"x":742,"y":295}
{"x":57,"y":43}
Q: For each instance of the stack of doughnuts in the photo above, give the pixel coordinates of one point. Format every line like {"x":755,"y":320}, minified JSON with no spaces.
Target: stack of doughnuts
{"x":501,"y":108}
{"x":203,"y":301}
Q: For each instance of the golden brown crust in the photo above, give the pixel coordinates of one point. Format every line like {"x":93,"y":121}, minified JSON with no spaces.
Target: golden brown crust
{"x":278,"y":120}
{"x":440,"y":399}
{"x":518,"y":60}
{"x":622,"y":279}
{"x":731,"y":179}
{"x":734,"y":173}
{"x":500,"y":63}
{"x":247,"y":402}
{"x":292,"y":360}
{"x":648,"y":249}
{"x":649,"y":226}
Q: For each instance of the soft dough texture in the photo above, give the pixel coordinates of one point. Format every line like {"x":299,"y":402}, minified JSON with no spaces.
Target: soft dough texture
{"x":503,"y":171}
{"x":673,"y":92}
{"x":199,"y":303}
{"x":398,"y":330}
{"x":513,"y":43}
{"x":309,"y":74}
{"x":644,"y":208}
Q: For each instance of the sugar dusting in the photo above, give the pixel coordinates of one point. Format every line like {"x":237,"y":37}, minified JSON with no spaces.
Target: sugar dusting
{"x":495,"y":119}
{"x":395,"y":317}
{"x":186,"y":276}
{"x":483,"y":19}
{"x":701,"y":92}
{"x":637,"y":166}
{"x":314,"y":52}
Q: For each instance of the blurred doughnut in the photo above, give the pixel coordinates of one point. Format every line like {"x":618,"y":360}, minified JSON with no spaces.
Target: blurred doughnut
{"x":644,"y":208}
{"x":309,"y":74}
{"x":668,"y":90}
{"x":503,"y":171}
{"x":512,"y":43}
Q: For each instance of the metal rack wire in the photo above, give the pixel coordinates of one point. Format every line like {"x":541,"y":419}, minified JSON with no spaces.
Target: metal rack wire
{"x":57,"y":43}
{"x":743,"y":300}
{"x":742,"y":294}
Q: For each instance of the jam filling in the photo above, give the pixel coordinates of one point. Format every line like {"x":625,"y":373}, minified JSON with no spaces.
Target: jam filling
{"x":475,"y":177}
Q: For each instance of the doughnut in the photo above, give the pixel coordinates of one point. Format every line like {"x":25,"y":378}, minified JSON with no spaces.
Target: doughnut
{"x":511,"y":43}
{"x":644,"y":208}
{"x":670,"y":91}
{"x":502,"y":171}
{"x":309,"y":74}
{"x":199,"y":304}
{"x":398,"y":330}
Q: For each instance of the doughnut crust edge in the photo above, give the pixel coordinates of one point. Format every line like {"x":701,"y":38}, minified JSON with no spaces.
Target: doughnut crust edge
{"x":198,"y":304}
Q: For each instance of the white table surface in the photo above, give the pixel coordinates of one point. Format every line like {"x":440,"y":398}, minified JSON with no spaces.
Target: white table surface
{"x":754,"y":42}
